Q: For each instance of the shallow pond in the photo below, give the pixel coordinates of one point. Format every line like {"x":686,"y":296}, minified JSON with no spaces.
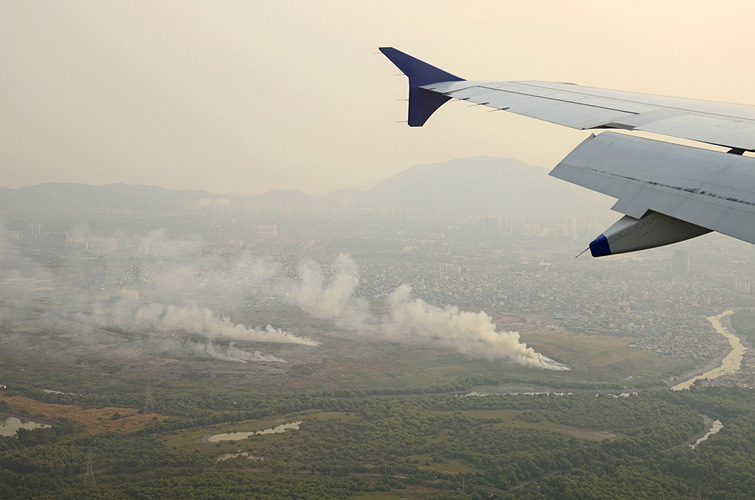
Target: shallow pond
{"x":10,"y":425}
{"x":235,"y":436}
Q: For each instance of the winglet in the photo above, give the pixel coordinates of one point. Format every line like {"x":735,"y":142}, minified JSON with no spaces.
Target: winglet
{"x":422,"y":103}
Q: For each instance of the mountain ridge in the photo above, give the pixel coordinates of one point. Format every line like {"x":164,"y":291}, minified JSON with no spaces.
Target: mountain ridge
{"x":465,"y":186}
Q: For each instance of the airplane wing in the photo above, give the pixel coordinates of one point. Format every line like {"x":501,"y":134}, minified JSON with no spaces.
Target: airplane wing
{"x":667,"y":192}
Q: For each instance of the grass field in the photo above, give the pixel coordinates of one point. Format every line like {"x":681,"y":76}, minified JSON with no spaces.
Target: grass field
{"x":287,"y":443}
{"x":594,"y":360}
{"x":94,"y":420}
{"x":609,"y":359}
{"x":412,"y":492}
{"x":744,"y":323}
{"x":191,"y":440}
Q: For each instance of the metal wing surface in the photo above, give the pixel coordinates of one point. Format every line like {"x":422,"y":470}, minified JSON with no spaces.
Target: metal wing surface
{"x":705,"y":188}
{"x":668,"y":192}
{"x":722,"y":124}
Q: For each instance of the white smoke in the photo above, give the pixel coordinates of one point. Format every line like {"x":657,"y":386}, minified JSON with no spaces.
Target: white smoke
{"x":157,"y":243}
{"x":473,"y":334}
{"x":190,"y":320}
{"x":172,"y":272}
{"x":206,"y":275}
{"x":168,"y":271}
{"x":470,"y":333}
{"x":230,"y":353}
{"x":328,"y":299}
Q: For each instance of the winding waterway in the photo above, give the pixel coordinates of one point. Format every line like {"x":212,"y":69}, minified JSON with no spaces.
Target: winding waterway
{"x":730,"y":364}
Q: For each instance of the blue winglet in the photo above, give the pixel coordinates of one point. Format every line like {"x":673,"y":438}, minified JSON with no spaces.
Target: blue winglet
{"x":422,"y":103}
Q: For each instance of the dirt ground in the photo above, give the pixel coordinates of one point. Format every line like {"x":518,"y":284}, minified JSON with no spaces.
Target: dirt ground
{"x":94,"y":420}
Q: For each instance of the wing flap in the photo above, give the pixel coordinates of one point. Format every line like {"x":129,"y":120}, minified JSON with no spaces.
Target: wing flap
{"x":706,"y":188}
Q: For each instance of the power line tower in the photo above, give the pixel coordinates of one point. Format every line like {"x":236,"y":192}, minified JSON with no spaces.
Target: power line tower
{"x":149,"y":404}
{"x":90,"y":468}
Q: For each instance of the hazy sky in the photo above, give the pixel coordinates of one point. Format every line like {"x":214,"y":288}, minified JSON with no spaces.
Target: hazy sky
{"x":243,"y":96}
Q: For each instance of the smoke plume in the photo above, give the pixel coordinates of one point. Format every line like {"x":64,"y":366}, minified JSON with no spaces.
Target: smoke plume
{"x":171,"y":272}
{"x":178,"y":279}
{"x":472,"y":334}
{"x":187,"y":319}
{"x":332,"y":298}
{"x":230,"y":353}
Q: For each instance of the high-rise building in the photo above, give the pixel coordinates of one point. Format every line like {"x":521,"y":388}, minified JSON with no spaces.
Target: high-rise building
{"x":34,"y":230}
{"x":570,"y":226}
{"x":742,"y":285}
{"x":490,"y":224}
{"x":680,"y":263}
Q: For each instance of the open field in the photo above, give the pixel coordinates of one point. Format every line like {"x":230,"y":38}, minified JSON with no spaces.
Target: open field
{"x":608,"y":358}
{"x":340,"y":363}
{"x":367,"y":430}
{"x":410,"y":493}
{"x":192,"y":440}
{"x":288,"y":442}
{"x":94,"y":420}
{"x":595,"y":360}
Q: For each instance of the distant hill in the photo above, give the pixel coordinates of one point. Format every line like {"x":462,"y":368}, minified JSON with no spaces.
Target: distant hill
{"x":286,"y":199}
{"x":465,"y":186}
{"x":480,"y":185}
{"x":76,"y":197}
{"x":343,"y":198}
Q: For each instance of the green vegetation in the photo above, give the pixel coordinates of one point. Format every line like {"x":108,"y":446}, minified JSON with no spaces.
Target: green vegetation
{"x":744,"y":323}
{"x":388,"y":428}
{"x":598,"y":362}
{"x":606,"y":358}
{"x":423,"y":446}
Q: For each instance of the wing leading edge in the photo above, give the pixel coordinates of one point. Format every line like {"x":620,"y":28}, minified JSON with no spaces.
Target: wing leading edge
{"x":722,"y":124}
{"x":668,"y":192}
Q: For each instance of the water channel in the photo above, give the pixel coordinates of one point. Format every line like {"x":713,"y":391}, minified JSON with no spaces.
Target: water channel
{"x":730,"y":364}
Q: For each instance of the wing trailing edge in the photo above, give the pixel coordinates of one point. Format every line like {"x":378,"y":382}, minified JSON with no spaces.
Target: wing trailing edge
{"x":703,"y":188}
{"x":668,"y":192}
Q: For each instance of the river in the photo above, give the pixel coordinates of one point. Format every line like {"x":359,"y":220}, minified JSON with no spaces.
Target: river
{"x":731,"y":363}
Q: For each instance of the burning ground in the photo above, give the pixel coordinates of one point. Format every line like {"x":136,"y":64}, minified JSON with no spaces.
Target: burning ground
{"x":172,"y":301}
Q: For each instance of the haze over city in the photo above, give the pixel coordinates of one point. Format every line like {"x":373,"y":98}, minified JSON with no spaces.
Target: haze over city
{"x":229,"y":269}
